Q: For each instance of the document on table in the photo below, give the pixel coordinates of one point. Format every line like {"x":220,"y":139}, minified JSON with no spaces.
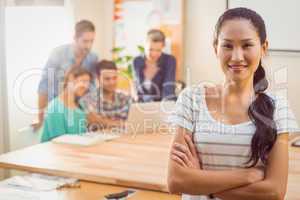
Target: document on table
{"x":86,"y":139}
{"x":33,"y":187}
{"x":37,"y":182}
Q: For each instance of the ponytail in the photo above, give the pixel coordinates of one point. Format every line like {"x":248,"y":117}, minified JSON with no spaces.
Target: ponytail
{"x":261,"y":113}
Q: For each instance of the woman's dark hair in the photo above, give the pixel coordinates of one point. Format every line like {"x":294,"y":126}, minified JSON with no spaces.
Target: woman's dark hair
{"x":262,"y":108}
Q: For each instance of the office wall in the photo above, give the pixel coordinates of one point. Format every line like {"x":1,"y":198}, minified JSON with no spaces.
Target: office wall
{"x":199,"y":59}
{"x":32,"y":50}
{"x":285,"y":68}
{"x":3,"y":99}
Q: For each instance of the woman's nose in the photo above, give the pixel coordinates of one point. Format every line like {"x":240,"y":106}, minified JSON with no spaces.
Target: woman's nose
{"x":237,"y":54}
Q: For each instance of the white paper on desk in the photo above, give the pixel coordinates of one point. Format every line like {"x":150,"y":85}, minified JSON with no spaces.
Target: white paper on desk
{"x":15,"y":194}
{"x":86,"y":139}
{"x":38,"y":182}
{"x":59,"y":179}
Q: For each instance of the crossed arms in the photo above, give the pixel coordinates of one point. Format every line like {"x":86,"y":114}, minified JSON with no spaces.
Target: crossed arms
{"x":185,"y":176}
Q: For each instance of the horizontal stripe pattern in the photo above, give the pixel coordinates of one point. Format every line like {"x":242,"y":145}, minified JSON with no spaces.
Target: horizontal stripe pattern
{"x":211,"y":148}
{"x":222,"y":146}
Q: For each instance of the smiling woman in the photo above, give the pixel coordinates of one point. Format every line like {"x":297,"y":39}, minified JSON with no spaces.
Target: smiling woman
{"x":232,"y":139}
{"x":239,"y":49}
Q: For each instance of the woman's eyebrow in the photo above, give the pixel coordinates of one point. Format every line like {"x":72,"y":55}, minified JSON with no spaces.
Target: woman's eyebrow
{"x":243,"y":40}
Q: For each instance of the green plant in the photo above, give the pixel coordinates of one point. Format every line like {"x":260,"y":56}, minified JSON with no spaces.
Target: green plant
{"x":124,"y":62}
{"x":141,"y":49}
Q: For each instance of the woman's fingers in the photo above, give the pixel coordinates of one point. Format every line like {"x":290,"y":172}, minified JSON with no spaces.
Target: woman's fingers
{"x":191,"y":145}
{"x":184,"y":149}
{"x":181,"y":156}
{"x":178,"y":160}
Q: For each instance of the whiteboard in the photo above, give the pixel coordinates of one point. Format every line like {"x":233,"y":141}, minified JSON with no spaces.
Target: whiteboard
{"x":282,"y":19}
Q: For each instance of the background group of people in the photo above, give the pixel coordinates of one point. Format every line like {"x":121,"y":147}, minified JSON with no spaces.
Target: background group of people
{"x":78,"y":91}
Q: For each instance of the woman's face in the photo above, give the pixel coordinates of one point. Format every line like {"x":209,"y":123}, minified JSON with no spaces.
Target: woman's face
{"x":81,"y":85}
{"x":239,"y":50}
{"x":154,"y":50}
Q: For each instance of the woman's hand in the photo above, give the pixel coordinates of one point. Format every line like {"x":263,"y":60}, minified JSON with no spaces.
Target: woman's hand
{"x":186,"y":155}
{"x":92,"y":118}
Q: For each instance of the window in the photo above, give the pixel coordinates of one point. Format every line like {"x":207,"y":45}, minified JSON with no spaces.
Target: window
{"x":32,"y":32}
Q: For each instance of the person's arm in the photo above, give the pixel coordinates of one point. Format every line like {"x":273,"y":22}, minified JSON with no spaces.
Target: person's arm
{"x":273,"y":187}
{"x":168,"y":90}
{"x":204,"y":182}
{"x":48,"y":76}
{"x":43,"y":102}
{"x":136,"y":72}
{"x":123,"y":111}
{"x":138,"y":78}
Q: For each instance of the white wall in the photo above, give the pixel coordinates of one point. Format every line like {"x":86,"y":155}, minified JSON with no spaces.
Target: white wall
{"x":200,"y":61}
{"x":3,"y":100}
{"x":32,"y":50}
{"x":285,"y":68}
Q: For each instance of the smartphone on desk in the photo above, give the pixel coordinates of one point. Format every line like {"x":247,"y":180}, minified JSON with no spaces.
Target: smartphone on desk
{"x":120,"y":195}
{"x":296,"y":143}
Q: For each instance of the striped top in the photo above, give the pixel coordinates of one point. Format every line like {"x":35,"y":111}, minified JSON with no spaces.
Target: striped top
{"x":222,"y":146}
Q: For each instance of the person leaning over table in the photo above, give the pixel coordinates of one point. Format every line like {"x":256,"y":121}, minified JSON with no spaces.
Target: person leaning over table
{"x":231,"y":139}
{"x":76,"y":54}
{"x":154,"y":72}
{"x":64,"y":115}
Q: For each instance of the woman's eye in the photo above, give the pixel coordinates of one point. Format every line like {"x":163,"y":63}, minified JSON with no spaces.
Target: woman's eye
{"x":227,"y":46}
{"x":248,"y":45}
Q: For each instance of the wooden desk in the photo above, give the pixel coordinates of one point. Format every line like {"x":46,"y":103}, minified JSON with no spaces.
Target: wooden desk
{"x":139,"y":162}
{"x":293,"y":192}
